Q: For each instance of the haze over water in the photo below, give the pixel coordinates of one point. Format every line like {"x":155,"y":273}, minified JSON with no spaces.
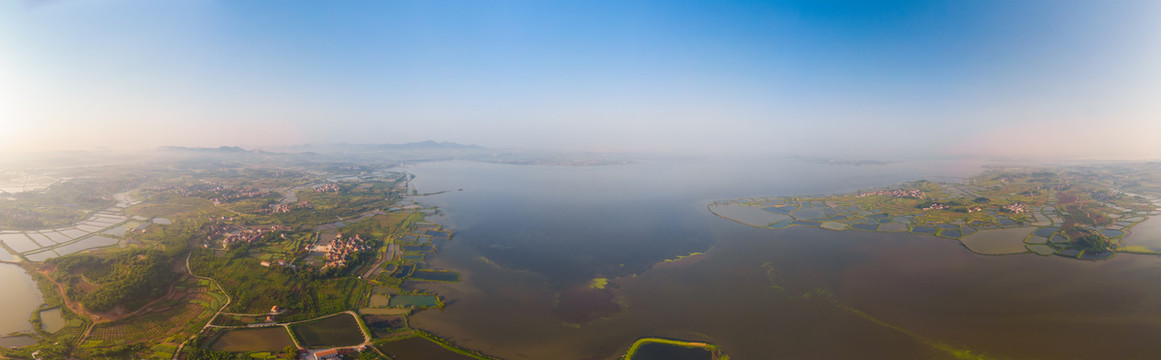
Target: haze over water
{"x":558,"y":82}
{"x":758,"y":293}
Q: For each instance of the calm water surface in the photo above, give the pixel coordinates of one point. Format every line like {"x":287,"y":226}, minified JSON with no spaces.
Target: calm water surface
{"x":526,"y":233}
{"x":19,"y":299}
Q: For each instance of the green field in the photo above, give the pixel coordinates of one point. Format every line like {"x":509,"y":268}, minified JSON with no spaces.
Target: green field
{"x":263,"y":339}
{"x":334,"y":331}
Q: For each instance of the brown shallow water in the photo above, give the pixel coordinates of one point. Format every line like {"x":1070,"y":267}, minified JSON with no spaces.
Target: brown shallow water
{"x":746,"y":295}
{"x":797,"y":293}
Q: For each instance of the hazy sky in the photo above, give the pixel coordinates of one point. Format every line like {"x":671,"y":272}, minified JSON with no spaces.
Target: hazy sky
{"x":1023,"y":78}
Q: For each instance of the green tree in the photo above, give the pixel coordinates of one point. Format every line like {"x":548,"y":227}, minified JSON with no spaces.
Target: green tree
{"x":290,"y":352}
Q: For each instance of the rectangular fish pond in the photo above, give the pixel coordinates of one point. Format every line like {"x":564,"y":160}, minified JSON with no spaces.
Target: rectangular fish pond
{"x":665,"y":349}
{"x":419,"y":348}
{"x":418,"y":301}
{"x":430,"y":275}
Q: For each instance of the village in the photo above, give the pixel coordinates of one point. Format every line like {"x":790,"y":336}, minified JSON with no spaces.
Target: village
{"x":897,"y":193}
{"x":288,"y":207}
{"x":337,"y":252}
{"x":1016,"y":207}
{"x":230,"y":234}
{"x":219,"y":194}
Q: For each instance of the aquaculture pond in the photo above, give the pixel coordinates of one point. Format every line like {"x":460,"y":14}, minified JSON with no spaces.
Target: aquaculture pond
{"x":924,"y":229}
{"x":809,"y":213}
{"x":19,"y":242}
{"x":419,"y":348}
{"x":1041,"y":249}
{"x":1147,"y":234}
{"x":1045,"y":231}
{"x":17,"y":341}
{"x":85,"y":244}
{"x":41,"y":256}
{"x":6,"y":256}
{"x":997,"y":242}
{"x":435,"y":275}
{"x":659,"y":351}
{"x":51,"y":320}
{"x":1112,"y":233}
{"x":334,"y":331}
{"x":262,"y":339}
{"x":403,"y":271}
{"x":746,"y":214}
{"x":866,"y":227}
{"x":420,"y":301}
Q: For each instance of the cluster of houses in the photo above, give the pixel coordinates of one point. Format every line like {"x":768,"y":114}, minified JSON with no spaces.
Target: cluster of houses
{"x":269,"y":321}
{"x":1015,"y":207}
{"x":897,"y":193}
{"x":341,"y":249}
{"x":285,"y":208}
{"x":936,"y":206}
{"x":232,"y":234}
{"x":221,"y":193}
{"x":332,"y":187}
{"x":333,"y":354}
{"x":1105,"y":195}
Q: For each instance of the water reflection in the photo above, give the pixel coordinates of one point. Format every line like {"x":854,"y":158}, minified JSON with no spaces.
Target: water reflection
{"x":524,"y":234}
{"x":20,"y":298}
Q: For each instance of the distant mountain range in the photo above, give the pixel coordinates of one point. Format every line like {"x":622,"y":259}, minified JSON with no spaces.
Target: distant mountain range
{"x":428,"y":145}
{"x":203,"y":149}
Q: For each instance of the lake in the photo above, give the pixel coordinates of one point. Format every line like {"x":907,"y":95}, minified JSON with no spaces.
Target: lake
{"x":526,"y":234}
{"x":20,"y":298}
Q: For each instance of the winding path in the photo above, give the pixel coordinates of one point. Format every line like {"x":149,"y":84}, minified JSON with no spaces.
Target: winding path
{"x":212,"y":318}
{"x":286,"y":325}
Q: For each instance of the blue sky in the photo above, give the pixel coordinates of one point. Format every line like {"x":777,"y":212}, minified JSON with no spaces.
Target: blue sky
{"x":1020,"y":78}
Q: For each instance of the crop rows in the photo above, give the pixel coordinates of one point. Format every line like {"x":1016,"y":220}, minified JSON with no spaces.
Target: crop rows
{"x":152,"y":326}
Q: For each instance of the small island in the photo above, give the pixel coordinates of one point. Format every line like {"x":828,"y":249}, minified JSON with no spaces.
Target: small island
{"x":1076,"y":212}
